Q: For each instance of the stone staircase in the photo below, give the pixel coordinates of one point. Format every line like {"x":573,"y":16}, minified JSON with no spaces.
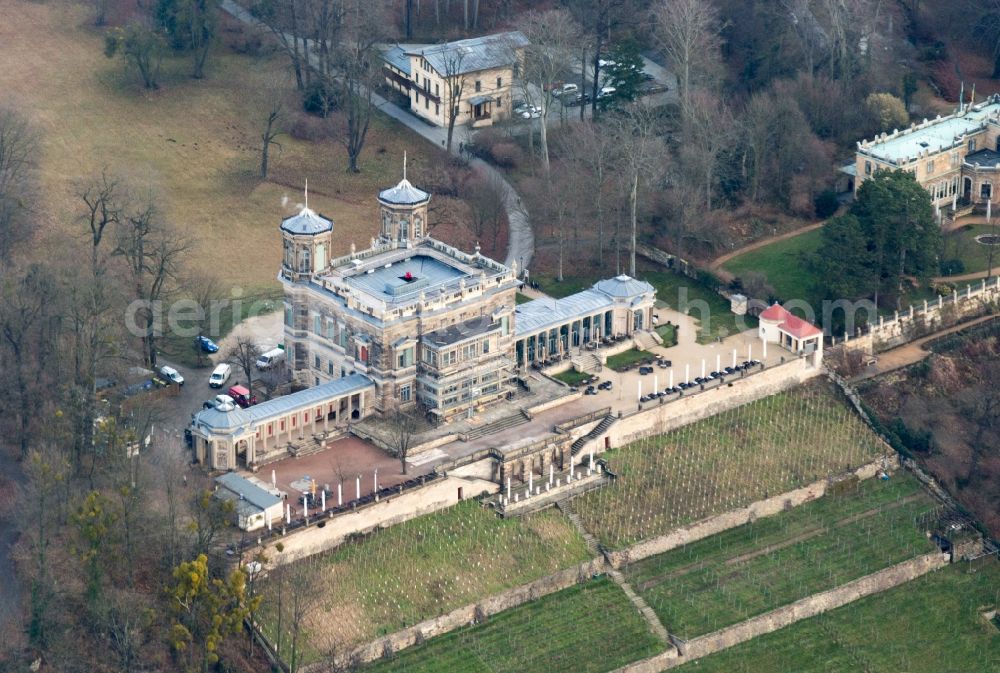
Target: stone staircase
{"x":640,"y":604}
{"x":593,"y":434}
{"x":313,"y":444}
{"x":498,"y":425}
{"x":647,"y":340}
{"x":655,"y":625}
{"x":587,"y":362}
{"x":567,"y":509}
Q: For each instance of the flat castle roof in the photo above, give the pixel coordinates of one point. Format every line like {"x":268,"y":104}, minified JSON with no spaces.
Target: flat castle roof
{"x":405,"y":277}
{"x":931,"y":136}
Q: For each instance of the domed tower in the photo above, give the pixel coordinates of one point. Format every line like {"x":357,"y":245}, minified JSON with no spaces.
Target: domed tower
{"x":403,"y":210}
{"x":306,"y":237}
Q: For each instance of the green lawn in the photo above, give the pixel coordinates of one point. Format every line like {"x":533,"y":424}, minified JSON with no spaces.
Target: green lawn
{"x":677,"y":291}
{"x":749,"y":570}
{"x":430,"y":565}
{"x":625,"y":359}
{"x":961,"y":244}
{"x":783,"y":263}
{"x":929,"y":625}
{"x":669,"y":335}
{"x":521,"y":298}
{"x":255,"y":302}
{"x":588,"y":628}
{"x":764,"y":448}
{"x":692,"y":298}
{"x":571,"y":377}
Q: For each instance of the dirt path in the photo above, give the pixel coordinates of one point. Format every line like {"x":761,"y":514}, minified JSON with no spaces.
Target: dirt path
{"x":716,"y":264}
{"x":911,"y":353}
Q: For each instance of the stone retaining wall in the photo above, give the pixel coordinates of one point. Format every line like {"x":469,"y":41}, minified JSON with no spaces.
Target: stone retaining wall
{"x":972,"y":300}
{"x":659,"y":418}
{"x":462,"y":616}
{"x":742,"y":515}
{"x":774,"y":620}
{"x":811,"y":606}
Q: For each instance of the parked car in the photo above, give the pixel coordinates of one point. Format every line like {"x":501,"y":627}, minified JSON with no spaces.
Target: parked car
{"x":270,"y":358}
{"x":172,"y":375}
{"x":206,"y":344}
{"x":606,"y":92}
{"x":531,"y":112}
{"x":220,"y":375}
{"x":241,"y":396}
{"x":567,"y":89}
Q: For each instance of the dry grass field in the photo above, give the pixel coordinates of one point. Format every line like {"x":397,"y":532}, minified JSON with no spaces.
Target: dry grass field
{"x":194,"y":143}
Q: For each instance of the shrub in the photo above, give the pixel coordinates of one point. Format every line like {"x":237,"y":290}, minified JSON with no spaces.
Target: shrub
{"x":320,"y":99}
{"x":952,"y":267}
{"x":309,"y":128}
{"x":507,"y":155}
{"x":826,"y":203}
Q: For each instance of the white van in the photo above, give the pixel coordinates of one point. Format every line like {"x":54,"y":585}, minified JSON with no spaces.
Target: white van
{"x":220,"y":375}
{"x":270,"y":358}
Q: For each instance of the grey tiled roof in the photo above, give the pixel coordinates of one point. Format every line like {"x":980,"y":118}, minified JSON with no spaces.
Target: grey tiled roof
{"x":622,"y":287}
{"x":478,"y":53}
{"x":252,"y":493}
{"x":404,"y":194}
{"x":545,"y":313}
{"x":306,"y":222}
{"x":983,"y":159}
{"x":221,"y":421}
{"x":306,"y":398}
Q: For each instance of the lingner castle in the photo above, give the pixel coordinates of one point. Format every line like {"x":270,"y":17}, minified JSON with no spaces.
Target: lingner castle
{"x":428,"y":324}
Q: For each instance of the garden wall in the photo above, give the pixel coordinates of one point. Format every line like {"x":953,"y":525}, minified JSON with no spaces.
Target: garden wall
{"x":973,"y":300}
{"x":741,"y":516}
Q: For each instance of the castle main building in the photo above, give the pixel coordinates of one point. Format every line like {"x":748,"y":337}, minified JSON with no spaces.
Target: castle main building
{"x":423,"y":320}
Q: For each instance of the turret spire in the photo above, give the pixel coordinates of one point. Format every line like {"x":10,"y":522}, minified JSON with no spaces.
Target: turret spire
{"x":307,"y":193}
{"x":404,"y":164}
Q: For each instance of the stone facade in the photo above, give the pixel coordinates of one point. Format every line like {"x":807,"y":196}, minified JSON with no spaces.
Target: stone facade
{"x":476,"y":76}
{"x":953,"y":158}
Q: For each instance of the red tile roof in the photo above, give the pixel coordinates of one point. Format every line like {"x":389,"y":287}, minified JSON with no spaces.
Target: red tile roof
{"x":795,"y":326}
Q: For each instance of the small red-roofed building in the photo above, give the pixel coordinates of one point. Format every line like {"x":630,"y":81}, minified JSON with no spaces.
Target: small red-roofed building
{"x":779,"y":326}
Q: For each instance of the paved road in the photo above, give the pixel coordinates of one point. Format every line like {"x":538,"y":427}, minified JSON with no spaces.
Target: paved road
{"x":521,"y":240}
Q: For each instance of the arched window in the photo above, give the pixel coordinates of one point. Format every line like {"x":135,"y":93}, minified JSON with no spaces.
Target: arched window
{"x":304,"y":260}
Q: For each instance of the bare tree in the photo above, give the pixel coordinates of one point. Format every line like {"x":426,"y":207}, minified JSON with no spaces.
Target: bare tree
{"x":642,"y":158}
{"x":153,"y":255}
{"x":28,"y":306}
{"x":553,"y":36}
{"x":18,"y":146}
{"x":688,"y":32}
{"x":364,"y":27}
{"x":286,"y":21}
{"x":593,"y":149}
{"x":455,"y":81}
{"x":707,"y":133}
{"x":486,"y":198}
{"x":245,"y":353}
{"x":272,"y":129}
{"x":402,"y":426}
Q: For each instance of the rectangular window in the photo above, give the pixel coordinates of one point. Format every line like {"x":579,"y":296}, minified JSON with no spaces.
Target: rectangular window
{"x":427,"y":103}
{"x":329,"y":329}
{"x":329,"y":367}
{"x":288,"y":316}
{"x":437,"y":109}
{"x":404,"y":393}
{"x":479,"y":85}
{"x":295,"y":417}
{"x":930,"y":167}
{"x":868,"y":168}
{"x":316,"y":361}
{"x":270,"y":429}
{"x":317,"y":324}
{"x":486,"y":346}
{"x":437,"y":89}
{"x":972,"y":145}
{"x":499,"y":82}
